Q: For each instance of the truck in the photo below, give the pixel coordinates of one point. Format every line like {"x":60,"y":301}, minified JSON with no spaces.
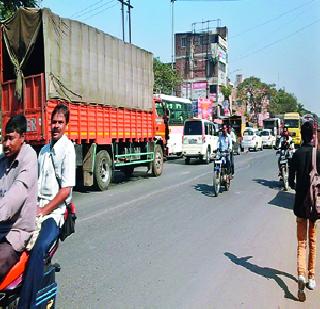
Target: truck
{"x":292,"y":121}
{"x":274,"y":124}
{"x":106,"y":83}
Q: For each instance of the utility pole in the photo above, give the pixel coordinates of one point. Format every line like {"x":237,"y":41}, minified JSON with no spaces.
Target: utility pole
{"x":123,"y":3}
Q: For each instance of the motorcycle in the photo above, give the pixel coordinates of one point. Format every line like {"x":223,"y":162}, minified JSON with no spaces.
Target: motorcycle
{"x":221,"y":173}
{"x":11,"y":285}
{"x":285,"y":156}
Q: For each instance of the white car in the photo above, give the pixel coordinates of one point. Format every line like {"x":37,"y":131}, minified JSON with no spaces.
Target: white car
{"x":200,"y":140}
{"x":251,"y":139}
{"x":268,"y":139}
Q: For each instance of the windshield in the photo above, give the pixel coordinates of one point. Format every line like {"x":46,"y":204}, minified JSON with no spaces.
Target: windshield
{"x":269,"y":124}
{"x":265,"y":133}
{"x":247,"y":133}
{"x":179,"y":112}
{"x":292,"y":123}
{"x":193,"y":128}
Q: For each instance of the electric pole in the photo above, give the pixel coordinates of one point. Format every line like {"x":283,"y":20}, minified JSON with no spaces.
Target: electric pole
{"x":128,"y":4}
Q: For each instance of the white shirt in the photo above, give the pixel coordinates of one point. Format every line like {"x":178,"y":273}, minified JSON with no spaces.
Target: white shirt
{"x":233,"y":137}
{"x":63,"y":155}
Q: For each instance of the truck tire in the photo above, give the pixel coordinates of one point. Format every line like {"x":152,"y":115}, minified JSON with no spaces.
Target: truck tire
{"x":157,"y":164}
{"x":102,"y":170}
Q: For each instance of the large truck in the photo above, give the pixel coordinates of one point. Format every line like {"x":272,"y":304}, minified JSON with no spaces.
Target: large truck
{"x":274,"y":124}
{"x":292,"y":122}
{"x":106,"y":83}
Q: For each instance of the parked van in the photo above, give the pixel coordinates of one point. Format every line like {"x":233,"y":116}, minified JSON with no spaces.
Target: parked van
{"x":251,"y":139}
{"x":200,"y":139}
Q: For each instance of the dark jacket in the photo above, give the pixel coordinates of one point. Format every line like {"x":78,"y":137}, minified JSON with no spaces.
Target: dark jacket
{"x":299,"y":169}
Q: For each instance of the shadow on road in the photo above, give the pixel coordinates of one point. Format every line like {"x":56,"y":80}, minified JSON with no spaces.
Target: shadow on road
{"x":272,"y":184}
{"x":265,"y":272}
{"x":283,"y":199}
{"x":204,"y":189}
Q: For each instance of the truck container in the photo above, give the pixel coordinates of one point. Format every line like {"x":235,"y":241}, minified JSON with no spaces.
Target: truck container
{"x":107,"y":84}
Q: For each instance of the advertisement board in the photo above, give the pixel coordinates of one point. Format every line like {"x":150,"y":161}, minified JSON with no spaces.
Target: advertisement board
{"x":205,"y":108}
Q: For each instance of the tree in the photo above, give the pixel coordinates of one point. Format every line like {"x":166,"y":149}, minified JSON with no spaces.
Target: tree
{"x":226,"y":91}
{"x":165,"y":78}
{"x":8,"y":7}
{"x":283,"y":102}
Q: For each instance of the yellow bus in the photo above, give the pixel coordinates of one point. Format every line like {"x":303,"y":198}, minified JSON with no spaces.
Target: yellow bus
{"x":292,"y":121}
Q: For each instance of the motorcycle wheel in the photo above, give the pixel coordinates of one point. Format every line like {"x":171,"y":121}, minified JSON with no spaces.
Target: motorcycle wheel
{"x":285,"y":181}
{"x":216,"y":183}
{"x":227,"y":184}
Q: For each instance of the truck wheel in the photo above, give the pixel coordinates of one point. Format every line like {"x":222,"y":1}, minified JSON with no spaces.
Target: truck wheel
{"x":102,"y":170}
{"x":157,"y":164}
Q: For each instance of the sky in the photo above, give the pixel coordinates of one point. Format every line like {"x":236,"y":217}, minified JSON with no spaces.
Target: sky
{"x":277,"y":41}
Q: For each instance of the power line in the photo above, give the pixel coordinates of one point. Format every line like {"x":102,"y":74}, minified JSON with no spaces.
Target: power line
{"x":270,"y":20}
{"x":99,"y":12}
{"x":88,"y":7}
{"x":94,"y":9}
{"x":278,"y":41}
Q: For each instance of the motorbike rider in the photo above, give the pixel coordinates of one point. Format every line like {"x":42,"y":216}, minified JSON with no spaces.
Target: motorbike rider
{"x":225,"y":145}
{"x":285,"y":144}
{"x":234,"y":140}
{"x":18,"y":193}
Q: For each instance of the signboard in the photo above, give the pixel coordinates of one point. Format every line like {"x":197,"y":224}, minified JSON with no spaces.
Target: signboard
{"x":205,"y":108}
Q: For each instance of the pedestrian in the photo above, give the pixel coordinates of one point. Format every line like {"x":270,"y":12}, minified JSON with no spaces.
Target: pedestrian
{"x":56,"y":160}
{"x":18,"y":193}
{"x":299,"y":180}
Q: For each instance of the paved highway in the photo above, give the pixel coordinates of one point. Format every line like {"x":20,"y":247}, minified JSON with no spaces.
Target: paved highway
{"x":166,"y":242}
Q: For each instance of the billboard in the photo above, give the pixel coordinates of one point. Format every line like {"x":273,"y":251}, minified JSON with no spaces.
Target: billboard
{"x":205,"y":108}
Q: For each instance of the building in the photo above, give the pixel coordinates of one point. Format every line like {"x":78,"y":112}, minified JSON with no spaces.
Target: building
{"x":201,"y":58}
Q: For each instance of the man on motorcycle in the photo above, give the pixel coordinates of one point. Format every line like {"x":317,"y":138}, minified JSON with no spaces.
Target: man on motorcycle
{"x":234,"y":140}
{"x":225,"y":145}
{"x":18,"y":193}
{"x":285,"y":144}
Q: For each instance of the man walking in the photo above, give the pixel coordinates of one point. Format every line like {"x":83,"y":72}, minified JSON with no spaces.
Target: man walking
{"x":18,"y":193}
{"x":299,"y":169}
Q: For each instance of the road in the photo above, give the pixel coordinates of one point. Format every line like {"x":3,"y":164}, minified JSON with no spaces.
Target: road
{"x":166,"y":242}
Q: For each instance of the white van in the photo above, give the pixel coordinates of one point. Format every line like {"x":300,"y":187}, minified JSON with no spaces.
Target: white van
{"x":200,"y":139}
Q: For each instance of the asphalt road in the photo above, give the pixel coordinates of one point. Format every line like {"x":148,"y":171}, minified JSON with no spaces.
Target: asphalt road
{"x":166,"y":242}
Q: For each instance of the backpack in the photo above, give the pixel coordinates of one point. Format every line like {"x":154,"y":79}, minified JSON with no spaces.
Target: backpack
{"x":312,"y":201}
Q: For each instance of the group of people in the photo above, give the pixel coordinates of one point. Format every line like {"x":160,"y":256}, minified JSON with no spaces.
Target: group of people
{"x":227,"y":139}
{"x":33,"y":189}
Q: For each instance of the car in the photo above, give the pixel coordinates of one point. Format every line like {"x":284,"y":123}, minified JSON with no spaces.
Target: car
{"x":251,"y":139}
{"x":200,"y":140}
{"x":268,"y":139}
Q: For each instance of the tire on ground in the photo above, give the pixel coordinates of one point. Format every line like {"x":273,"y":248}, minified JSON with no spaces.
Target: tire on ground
{"x":102,"y":170}
{"x":157,"y":164}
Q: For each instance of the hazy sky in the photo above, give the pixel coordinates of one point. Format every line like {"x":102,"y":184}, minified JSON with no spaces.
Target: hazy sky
{"x":275,"y":40}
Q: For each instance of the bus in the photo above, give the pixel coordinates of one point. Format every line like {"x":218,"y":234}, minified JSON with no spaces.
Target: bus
{"x":292,"y":121}
{"x":177,"y":110}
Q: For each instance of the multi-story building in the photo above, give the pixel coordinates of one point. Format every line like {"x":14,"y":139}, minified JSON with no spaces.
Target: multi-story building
{"x":201,"y":58}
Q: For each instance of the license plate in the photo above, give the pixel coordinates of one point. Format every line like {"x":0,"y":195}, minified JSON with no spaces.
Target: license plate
{"x":218,"y":162}
{"x":283,"y":162}
{"x":192,"y":141}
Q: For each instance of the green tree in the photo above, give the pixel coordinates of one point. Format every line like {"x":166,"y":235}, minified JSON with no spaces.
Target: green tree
{"x":8,"y":7}
{"x":226,"y":91}
{"x":165,"y":78}
{"x":283,"y":102}
{"x":252,"y":91}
